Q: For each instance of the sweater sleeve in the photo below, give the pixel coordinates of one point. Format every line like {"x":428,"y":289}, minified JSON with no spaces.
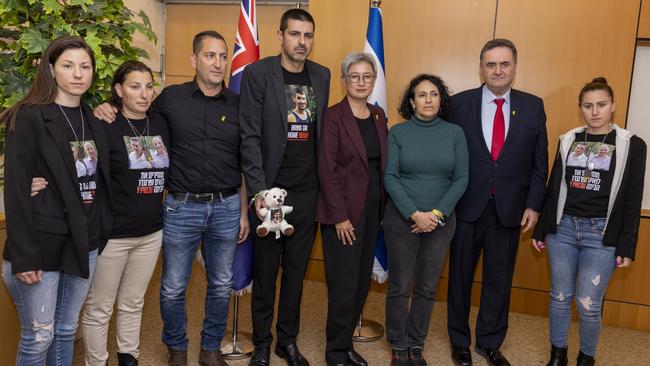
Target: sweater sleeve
{"x":392,"y":181}
{"x":460,"y":176}
{"x":626,"y":244}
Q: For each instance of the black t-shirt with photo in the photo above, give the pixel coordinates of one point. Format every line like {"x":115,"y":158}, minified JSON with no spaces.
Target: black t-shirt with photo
{"x":139,"y":165}
{"x":84,"y":153}
{"x":298,"y":168}
{"x":590,"y":170}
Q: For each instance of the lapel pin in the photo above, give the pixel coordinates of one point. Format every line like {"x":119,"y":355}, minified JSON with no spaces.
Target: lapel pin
{"x":377,"y":117}
{"x":514,"y":113}
{"x":223,"y":119}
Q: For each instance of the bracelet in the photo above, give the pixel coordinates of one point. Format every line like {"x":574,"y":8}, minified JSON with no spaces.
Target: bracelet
{"x":442,"y":219}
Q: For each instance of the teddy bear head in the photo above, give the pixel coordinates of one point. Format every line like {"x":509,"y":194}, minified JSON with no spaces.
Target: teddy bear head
{"x":274,"y":197}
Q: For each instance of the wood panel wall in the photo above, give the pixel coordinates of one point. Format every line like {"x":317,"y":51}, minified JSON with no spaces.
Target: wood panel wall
{"x":10,"y":333}
{"x":561,"y":46}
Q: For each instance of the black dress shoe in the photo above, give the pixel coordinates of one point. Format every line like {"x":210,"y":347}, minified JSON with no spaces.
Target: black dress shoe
{"x":493,"y":356}
{"x":558,"y":357}
{"x":261,"y":355}
{"x":461,"y":356}
{"x":291,"y":355}
{"x":356,"y":359}
{"x":584,"y":360}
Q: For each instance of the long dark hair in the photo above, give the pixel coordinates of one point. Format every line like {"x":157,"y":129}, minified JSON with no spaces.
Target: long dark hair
{"x":405,"y":108}
{"x":44,"y":89}
{"x":120,"y":76}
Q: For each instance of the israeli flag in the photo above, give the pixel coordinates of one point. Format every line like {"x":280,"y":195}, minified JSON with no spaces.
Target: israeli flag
{"x":375,"y":47}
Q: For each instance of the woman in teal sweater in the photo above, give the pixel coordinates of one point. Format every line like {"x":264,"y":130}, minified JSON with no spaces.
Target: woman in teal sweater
{"x":426,"y":174}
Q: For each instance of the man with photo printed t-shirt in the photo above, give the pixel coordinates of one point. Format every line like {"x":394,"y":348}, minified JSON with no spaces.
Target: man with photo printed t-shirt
{"x":279,"y":151}
{"x":204,"y":204}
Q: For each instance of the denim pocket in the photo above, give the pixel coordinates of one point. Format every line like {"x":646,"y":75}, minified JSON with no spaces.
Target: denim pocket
{"x":598,"y":224}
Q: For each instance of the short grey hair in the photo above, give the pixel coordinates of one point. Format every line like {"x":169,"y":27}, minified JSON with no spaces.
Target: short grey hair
{"x":355,"y":58}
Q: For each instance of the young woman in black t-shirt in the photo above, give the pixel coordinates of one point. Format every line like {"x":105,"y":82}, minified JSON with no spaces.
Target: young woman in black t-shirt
{"x":139,"y":163}
{"x":590,"y":219}
{"x":53,"y":236}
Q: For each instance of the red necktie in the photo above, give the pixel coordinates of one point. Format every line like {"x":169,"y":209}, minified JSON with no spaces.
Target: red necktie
{"x":498,"y":129}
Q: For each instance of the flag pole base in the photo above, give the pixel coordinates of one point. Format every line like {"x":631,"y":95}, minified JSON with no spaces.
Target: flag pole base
{"x":367,"y":331}
{"x":239,"y":348}
{"x":236,"y":345}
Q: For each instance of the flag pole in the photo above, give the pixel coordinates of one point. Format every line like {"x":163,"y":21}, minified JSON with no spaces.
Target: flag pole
{"x":236,"y":345}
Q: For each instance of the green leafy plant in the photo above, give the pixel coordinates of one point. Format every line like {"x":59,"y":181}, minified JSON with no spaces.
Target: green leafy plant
{"x":28,"y":26}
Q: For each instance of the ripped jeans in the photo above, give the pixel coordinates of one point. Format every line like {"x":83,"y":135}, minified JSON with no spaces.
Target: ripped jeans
{"x":48,"y":313}
{"x":580,"y":268}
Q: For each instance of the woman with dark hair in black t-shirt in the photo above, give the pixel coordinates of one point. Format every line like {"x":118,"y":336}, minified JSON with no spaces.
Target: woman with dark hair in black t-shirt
{"x":590,"y":219}
{"x":125,"y":267}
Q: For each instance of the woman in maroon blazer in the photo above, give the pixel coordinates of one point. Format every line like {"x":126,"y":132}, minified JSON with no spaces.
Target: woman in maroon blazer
{"x":351,"y":160}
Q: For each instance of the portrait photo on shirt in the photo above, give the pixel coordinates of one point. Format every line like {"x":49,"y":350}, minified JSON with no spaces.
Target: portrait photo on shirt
{"x":591,"y":155}
{"x":146,"y":152}
{"x":84,"y":154}
{"x":301,"y":111}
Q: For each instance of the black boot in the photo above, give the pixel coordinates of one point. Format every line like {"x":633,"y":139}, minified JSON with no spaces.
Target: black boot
{"x":126,"y":359}
{"x":584,"y":360}
{"x":558,"y":357}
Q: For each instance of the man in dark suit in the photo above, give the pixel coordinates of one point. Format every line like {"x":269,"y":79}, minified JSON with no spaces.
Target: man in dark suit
{"x":276,"y":153}
{"x":506,"y":137}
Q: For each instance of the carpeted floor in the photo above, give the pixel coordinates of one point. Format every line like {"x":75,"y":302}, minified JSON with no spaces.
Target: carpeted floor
{"x":526,"y":344}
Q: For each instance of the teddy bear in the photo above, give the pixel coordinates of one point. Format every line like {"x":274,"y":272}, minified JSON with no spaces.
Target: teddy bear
{"x":273,"y":211}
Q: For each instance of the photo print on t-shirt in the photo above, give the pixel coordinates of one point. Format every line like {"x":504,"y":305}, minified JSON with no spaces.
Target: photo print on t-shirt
{"x":591,"y":155}
{"x":586,"y":162}
{"x":301,"y":111}
{"x":85,"y":158}
{"x":84,"y":154}
{"x":146,"y":152}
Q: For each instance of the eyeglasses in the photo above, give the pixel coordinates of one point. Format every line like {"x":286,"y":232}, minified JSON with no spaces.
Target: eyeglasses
{"x":355,"y":78}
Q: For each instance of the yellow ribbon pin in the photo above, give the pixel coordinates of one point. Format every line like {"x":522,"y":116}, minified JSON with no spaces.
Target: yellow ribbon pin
{"x":223,"y":119}
{"x":514,"y":113}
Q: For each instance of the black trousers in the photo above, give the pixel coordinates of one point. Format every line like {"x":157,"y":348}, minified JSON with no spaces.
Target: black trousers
{"x":292,"y":254}
{"x":348,"y":269}
{"x":499,"y":245}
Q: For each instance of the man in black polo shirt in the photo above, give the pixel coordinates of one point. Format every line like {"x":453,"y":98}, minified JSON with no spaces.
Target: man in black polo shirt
{"x":278,"y":152}
{"x":204,"y":202}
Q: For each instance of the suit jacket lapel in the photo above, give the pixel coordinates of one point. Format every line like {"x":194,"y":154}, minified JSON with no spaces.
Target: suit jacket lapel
{"x":514,"y":126}
{"x":278,"y":86}
{"x":57,"y":126}
{"x":477,"y":116}
{"x":317,"y":86}
{"x":350,"y":125}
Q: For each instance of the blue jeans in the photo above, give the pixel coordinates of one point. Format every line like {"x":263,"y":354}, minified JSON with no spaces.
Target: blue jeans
{"x":580,"y":267}
{"x":186,"y":224}
{"x":48,"y":313}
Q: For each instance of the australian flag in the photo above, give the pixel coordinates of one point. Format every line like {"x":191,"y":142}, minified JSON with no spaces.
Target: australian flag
{"x":246,"y":51}
{"x":247,"y":44}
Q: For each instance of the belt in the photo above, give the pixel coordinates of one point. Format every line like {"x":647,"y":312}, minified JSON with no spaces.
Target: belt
{"x":204,"y":197}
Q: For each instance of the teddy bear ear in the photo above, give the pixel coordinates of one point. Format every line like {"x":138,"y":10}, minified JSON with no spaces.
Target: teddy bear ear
{"x":265,"y":192}
{"x":284,"y":192}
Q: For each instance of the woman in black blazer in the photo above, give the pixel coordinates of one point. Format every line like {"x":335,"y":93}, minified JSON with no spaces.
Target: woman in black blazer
{"x":351,"y":160}
{"x":53,"y":237}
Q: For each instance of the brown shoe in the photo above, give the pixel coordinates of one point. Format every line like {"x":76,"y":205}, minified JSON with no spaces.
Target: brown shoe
{"x":211,"y":358}
{"x":177,"y":357}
